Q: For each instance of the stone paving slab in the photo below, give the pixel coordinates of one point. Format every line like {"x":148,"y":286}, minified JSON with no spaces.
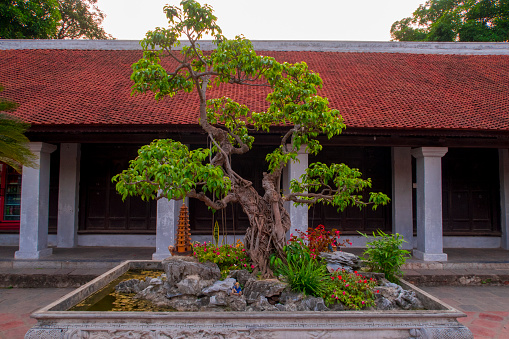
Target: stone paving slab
{"x":487,"y":308}
{"x":16,"y":305}
{"x":47,"y":277}
{"x":488,"y":320}
{"x":457,"y":277}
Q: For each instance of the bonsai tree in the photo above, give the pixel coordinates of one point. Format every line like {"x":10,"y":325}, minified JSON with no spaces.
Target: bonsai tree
{"x":167,"y":168}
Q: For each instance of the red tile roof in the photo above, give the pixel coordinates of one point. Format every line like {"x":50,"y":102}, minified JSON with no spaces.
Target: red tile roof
{"x":372,"y":90}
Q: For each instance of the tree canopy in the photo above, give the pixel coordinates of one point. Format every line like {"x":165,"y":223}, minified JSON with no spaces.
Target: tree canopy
{"x":29,"y":19}
{"x":166,"y":168}
{"x":455,"y":20}
{"x":51,"y":19}
{"x":81,"y":19}
{"x":13,"y":142}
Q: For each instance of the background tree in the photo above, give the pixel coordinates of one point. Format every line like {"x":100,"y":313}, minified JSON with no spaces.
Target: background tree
{"x":13,"y":142}
{"x":455,"y":20}
{"x":166,"y":168}
{"x":81,"y":19}
{"x":51,"y":19}
{"x":28,"y":19}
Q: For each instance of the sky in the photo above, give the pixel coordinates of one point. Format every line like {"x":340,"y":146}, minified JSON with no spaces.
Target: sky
{"x":361,"y":20}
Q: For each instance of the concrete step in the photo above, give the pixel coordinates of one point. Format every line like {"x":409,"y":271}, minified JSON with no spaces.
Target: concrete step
{"x":457,"y":277}
{"x":47,"y":277}
{"x":58,"y":264}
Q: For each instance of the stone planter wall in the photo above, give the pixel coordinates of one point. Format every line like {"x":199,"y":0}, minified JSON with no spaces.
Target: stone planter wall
{"x":54,"y":321}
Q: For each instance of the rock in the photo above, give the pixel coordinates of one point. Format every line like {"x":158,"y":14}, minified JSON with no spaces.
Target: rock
{"x":242,"y":276}
{"x":337,"y":307}
{"x":185,"y":303}
{"x":393,"y":296}
{"x":192,"y":284}
{"x":312,"y":304}
{"x":261,"y":305}
{"x":341,"y":261}
{"x":132,"y":286}
{"x":407,"y":300}
{"x":218,"y":299}
{"x":388,"y":292}
{"x":288,"y":297}
{"x":383,"y":304}
{"x":265,"y":288}
{"x":178,"y":268}
{"x":281,"y":307}
{"x":236,"y":303}
{"x":221,"y":285}
{"x":156,"y":281}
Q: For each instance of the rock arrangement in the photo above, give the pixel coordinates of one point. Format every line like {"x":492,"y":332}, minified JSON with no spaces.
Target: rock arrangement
{"x":191,"y":286}
{"x":342,"y":261}
{"x":392,"y":296}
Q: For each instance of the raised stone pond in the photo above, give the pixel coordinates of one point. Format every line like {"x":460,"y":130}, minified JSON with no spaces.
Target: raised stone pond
{"x":439,"y":320}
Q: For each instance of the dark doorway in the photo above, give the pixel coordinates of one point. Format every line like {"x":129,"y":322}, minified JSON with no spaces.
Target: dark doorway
{"x":470,"y":192}
{"x":101,"y":207}
{"x":374,"y":163}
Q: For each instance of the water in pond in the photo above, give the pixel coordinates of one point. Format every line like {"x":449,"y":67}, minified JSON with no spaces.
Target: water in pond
{"x":107,"y":299}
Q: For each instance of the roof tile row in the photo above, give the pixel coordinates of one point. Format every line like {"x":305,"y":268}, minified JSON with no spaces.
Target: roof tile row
{"x":371,"y":90}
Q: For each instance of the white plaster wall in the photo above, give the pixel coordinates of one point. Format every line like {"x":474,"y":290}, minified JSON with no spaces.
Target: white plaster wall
{"x":13,"y":239}
{"x":149,"y":240}
{"x":117,"y":240}
{"x":449,"y":242}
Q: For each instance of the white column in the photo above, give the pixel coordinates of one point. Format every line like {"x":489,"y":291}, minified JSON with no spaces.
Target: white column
{"x":33,"y":231}
{"x":429,"y":203}
{"x":503,"y":165}
{"x":68,"y":195}
{"x":293,"y":170}
{"x":166,"y":226}
{"x":402,"y":222}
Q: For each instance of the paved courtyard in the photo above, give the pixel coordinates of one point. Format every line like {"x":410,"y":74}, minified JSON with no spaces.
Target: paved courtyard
{"x":487,"y":308}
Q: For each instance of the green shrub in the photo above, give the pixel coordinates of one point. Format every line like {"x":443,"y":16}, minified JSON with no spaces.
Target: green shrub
{"x":351,"y":289}
{"x":301,"y":270}
{"x":384,"y":254}
{"x":227,"y":257}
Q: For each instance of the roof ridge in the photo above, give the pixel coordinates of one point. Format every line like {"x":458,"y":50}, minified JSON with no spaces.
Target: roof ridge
{"x":407,"y":47}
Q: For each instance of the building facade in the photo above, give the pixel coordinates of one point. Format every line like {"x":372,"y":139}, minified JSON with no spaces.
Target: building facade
{"x":428,"y":122}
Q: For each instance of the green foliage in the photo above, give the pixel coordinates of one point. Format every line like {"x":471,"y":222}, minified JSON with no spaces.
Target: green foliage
{"x":215,"y":233}
{"x":337,"y":184}
{"x":455,"y":20}
{"x":13,"y":142}
{"x":293,"y":105}
{"x":353,"y":290}
{"x":167,"y":168}
{"x":227,"y":257}
{"x":307,"y":273}
{"x":293,"y":100}
{"x":51,"y":19}
{"x":80,"y":19}
{"x":231,"y":115}
{"x":302,"y":271}
{"x":28,"y":19}
{"x":384,"y":254}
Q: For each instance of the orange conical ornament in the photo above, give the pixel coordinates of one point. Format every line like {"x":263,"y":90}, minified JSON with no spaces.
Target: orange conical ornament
{"x":183,"y":244}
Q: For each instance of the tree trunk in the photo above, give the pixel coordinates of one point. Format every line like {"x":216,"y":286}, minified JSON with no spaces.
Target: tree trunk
{"x":269,"y":221}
